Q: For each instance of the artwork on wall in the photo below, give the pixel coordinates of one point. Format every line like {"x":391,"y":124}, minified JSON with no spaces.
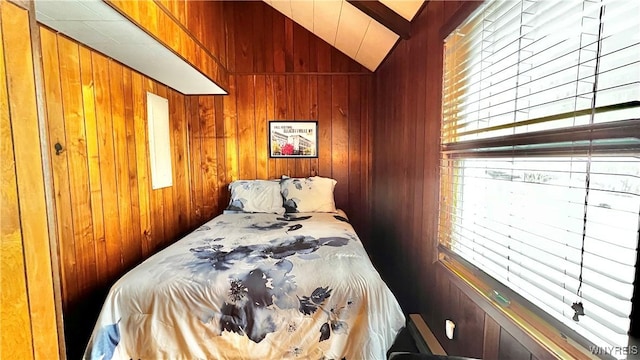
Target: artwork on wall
{"x":293,"y":139}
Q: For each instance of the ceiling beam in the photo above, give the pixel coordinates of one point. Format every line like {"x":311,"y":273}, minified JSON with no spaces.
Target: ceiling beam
{"x":384,"y":16}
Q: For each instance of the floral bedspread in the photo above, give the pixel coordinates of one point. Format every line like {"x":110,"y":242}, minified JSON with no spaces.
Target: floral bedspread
{"x":252,"y":286}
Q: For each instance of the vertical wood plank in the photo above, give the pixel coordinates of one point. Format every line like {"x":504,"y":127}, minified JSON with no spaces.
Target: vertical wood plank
{"x":116,"y":88}
{"x":271,"y":115}
{"x":302,"y":111}
{"x":471,"y":327}
{"x":243,"y":39}
{"x":141,"y":155}
{"x":231,"y":131}
{"x":313,"y":58}
{"x":23,"y":107}
{"x":16,"y":338}
{"x":228,"y":8}
{"x":262,"y":141}
{"x":491,"y":338}
{"x":280,"y":105}
{"x":60,"y":166}
{"x":339,"y":61}
{"x":221,"y":152}
{"x":107,"y":163}
{"x":260,"y":50}
{"x":300,"y":48}
{"x":323,"y":54}
{"x":93,"y":162}
{"x":355,"y":151}
{"x":288,"y":45}
{"x":209,"y":155}
{"x":325,"y":114}
{"x":181,"y":185}
{"x":134,"y":252}
{"x":313,"y":114}
{"x":289,"y":100}
{"x":76,"y":147}
{"x":510,"y":348}
{"x":246,"y":127}
{"x":214,"y":9}
{"x":196,"y":167}
{"x":418,"y":209}
{"x":366,"y":105}
{"x":267,"y":27}
{"x":279,"y":44}
{"x":340,"y":138}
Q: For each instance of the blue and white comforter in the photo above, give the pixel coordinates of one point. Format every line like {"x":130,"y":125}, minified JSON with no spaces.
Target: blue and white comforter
{"x":252,"y":286}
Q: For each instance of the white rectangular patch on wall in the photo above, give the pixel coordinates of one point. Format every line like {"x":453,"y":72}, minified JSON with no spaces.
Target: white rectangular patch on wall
{"x":159,"y":141}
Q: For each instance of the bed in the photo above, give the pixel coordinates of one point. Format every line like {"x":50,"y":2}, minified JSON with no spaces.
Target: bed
{"x":252,"y":286}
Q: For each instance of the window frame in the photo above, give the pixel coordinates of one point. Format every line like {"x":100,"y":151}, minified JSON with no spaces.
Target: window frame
{"x":520,"y":316}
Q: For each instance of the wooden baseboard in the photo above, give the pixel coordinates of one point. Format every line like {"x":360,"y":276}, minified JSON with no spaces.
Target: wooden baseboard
{"x":423,"y":336}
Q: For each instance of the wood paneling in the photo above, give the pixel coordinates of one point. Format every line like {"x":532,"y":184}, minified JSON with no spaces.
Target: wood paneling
{"x":16,"y":340}
{"x":404,"y":195}
{"x":510,"y":348}
{"x":262,"y":40}
{"x":192,"y":29}
{"x":335,"y":101}
{"x":28,"y":327}
{"x":107,"y":212}
{"x":491,"y":338}
{"x":108,"y":217}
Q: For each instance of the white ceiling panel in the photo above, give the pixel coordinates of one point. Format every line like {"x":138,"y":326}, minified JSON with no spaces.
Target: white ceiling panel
{"x":405,"y":8}
{"x":325,"y":19}
{"x":352,"y":26}
{"x":302,"y":13}
{"x":347,"y":28}
{"x":67,"y":10}
{"x":376,"y":44}
{"x":85,"y":34}
{"x":118,"y":38}
{"x":123,"y":31}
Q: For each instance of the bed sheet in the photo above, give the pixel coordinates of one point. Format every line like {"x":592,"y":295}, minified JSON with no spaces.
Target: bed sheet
{"x":252,"y":286}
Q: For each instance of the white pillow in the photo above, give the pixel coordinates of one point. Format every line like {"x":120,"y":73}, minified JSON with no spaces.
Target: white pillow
{"x":256,"y":196}
{"x":313,"y":194}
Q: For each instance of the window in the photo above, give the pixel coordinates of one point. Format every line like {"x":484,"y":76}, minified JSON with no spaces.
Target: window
{"x":540,"y":160}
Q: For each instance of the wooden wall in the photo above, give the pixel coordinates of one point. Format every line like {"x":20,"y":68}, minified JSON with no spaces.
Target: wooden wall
{"x":262,"y":40}
{"x":341,"y":105}
{"x":108,"y":217}
{"x":28,"y":323}
{"x":405,"y":196}
{"x":281,"y":71}
{"x":195,"y":30}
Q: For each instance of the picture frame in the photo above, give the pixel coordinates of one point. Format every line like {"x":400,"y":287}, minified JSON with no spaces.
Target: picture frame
{"x":293,"y":139}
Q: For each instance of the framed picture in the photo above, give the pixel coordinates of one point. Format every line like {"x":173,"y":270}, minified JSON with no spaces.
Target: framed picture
{"x":293,"y":139}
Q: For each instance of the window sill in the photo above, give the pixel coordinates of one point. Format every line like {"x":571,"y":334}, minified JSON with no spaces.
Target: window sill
{"x":538,"y":336}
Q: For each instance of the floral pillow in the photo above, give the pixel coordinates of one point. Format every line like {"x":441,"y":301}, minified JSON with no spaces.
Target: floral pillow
{"x":255,"y":196}
{"x":313,"y":194}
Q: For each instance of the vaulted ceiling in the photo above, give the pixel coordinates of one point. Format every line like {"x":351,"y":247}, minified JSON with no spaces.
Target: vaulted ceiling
{"x":366,"y":31}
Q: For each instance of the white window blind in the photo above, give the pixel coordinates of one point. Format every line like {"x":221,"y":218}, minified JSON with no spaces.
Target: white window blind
{"x":540,"y":166}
